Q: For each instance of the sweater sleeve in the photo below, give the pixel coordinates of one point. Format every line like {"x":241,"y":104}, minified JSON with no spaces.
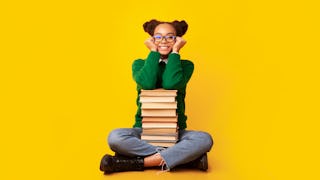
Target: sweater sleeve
{"x":177,"y":72}
{"x":145,"y":71}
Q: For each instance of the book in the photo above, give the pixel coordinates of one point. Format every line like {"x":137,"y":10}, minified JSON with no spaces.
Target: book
{"x":144,"y":99}
{"x":158,"y":92}
{"x":159,"y":119}
{"x":163,"y":144}
{"x":159,"y":125}
{"x":159,"y":137}
{"x":159,"y":105}
{"x":159,"y":130}
{"x":161,"y":141}
{"x":158,"y":112}
{"x":160,"y":134}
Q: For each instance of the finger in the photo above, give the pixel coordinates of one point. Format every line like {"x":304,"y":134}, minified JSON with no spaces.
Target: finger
{"x":151,"y":39}
{"x":179,"y":38}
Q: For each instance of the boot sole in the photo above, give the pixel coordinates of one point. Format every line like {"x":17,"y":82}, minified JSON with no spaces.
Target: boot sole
{"x":104,"y":163}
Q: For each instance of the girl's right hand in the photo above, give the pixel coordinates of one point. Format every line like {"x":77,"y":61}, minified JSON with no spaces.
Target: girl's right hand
{"x":150,"y":44}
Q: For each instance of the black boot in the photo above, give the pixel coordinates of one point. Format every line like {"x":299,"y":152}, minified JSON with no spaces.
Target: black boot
{"x":111,"y":164}
{"x":120,"y":155}
{"x":200,"y":163}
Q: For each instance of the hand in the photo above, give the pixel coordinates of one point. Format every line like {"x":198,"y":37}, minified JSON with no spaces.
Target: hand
{"x":178,"y":44}
{"x":150,"y":44}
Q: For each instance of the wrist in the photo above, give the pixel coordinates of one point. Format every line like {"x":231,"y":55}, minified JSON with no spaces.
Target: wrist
{"x":174,"y":52}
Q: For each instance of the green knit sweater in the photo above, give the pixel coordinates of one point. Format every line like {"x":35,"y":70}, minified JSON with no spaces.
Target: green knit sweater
{"x":150,"y":74}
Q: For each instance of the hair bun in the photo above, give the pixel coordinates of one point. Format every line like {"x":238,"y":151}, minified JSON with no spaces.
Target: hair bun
{"x":180,"y":26}
{"x":150,"y":26}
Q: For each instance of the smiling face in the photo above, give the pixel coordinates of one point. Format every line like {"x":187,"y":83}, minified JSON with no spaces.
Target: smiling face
{"x":164,"y":38}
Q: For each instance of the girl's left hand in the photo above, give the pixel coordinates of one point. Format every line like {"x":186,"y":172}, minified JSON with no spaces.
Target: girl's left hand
{"x":178,"y":44}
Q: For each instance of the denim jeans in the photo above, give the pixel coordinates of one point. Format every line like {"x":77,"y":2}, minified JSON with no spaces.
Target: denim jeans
{"x":191,"y":145}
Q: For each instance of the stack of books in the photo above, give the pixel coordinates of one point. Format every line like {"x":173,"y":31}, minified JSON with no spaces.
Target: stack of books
{"x":159,"y":117}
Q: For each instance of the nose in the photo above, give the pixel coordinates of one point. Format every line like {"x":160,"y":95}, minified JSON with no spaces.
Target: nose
{"x":163,"y":39}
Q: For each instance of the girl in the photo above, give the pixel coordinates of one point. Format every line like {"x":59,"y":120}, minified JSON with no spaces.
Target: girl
{"x":163,"y":68}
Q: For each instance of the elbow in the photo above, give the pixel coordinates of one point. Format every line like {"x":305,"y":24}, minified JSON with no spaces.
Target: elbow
{"x":167,"y":86}
{"x":170,"y":85}
{"x":147,"y":86}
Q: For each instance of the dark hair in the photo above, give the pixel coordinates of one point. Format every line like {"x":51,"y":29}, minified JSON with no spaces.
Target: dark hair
{"x":181,"y":27}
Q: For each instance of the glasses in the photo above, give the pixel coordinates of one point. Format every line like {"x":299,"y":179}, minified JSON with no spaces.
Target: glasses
{"x":158,"y":38}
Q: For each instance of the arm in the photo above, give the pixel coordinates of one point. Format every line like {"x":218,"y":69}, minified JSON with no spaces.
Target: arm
{"x":177,"y":73}
{"x":145,"y":71}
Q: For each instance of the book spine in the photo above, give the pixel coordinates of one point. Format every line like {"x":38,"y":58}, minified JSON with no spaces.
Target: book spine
{"x":159,"y":117}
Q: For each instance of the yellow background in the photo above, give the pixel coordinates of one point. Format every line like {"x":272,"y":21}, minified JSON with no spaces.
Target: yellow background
{"x":66,"y":83}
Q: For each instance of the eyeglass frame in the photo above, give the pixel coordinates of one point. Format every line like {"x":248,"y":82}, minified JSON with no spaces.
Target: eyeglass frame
{"x":164,"y":37}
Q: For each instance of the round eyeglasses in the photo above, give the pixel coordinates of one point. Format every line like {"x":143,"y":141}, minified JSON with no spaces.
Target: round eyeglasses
{"x":158,"y":38}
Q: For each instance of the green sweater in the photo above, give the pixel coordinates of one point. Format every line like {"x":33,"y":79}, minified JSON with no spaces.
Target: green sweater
{"x":150,"y":74}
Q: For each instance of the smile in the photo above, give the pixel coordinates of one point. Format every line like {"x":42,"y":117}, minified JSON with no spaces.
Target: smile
{"x":164,"y":47}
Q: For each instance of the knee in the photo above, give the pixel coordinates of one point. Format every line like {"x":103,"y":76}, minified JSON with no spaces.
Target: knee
{"x":114,"y":139}
{"x":206,"y":140}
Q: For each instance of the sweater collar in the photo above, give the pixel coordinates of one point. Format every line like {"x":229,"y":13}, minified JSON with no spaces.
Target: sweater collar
{"x":163,"y":60}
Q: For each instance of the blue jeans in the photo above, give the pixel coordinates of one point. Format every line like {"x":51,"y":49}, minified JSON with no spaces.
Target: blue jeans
{"x":191,"y":145}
